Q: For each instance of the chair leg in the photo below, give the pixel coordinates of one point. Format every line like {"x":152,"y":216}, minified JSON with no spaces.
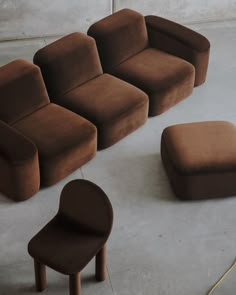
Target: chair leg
{"x":101,"y":264}
{"x":40,"y":276}
{"x":75,"y":286}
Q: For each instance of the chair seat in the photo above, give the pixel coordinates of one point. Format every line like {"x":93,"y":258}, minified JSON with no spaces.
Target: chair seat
{"x":62,"y":247}
{"x":167,"y":79}
{"x":65,"y":141}
{"x":114,"y":106}
{"x":200,"y":159}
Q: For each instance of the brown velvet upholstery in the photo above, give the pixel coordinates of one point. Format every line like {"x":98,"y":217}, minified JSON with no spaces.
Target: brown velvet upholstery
{"x":116,"y":110}
{"x":65,"y":141}
{"x":180,"y":41}
{"x":114,"y":106}
{"x":78,"y":232}
{"x":22,"y":90}
{"x":164,"y":77}
{"x":119,"y":37}
{"x":64,"y":63}
{"x":200,"y":159}
{"x":40,"y":143}
{"x":135,"y":49}
{"x":19,"y":168}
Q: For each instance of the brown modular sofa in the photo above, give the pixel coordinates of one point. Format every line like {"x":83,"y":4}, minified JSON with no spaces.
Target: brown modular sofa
{"x":44,"y":141}
{"x":76,"y":234}
{"x":162,"y":58}
{"x":41,"y":142}
{"x":74,"y":79}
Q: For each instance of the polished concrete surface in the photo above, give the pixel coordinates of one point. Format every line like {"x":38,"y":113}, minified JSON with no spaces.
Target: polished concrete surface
{"x":159,"y":245}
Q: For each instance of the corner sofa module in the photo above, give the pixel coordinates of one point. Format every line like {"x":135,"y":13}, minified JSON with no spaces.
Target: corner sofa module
{"x":40,"y":143}
{"x":162,"y":58}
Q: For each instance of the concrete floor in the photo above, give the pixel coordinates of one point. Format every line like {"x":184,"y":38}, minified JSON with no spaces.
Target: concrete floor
{"x":159,"y":245}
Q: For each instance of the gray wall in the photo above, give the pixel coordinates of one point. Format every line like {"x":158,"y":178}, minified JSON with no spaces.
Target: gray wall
{"x":185,"y":11}
{"x":21,"y":19}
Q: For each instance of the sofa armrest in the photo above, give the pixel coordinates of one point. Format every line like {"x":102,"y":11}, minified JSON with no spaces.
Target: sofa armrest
{"x":14,"y":147}
{"x":19,"y":164}
{"x":180,"y":41}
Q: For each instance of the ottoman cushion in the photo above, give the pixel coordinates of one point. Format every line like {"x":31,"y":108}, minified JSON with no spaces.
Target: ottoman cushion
{"x":200,"y":159}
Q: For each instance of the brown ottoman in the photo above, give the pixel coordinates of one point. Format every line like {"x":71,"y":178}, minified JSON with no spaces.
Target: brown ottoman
{"x":200,"y":159}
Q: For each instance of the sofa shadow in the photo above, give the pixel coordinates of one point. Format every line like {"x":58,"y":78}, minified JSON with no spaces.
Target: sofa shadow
{"x":140,"y":176}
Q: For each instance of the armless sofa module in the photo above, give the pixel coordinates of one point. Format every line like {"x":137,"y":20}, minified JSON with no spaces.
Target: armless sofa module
{"x":161,"y":57}
{"x":40,"y":142}
{"x":74,"y":79}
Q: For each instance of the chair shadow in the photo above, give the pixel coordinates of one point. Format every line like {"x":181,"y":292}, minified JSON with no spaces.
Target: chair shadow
{"x":11,"y":290}
{"x":5,"y":200}
{"x":60,"y":283}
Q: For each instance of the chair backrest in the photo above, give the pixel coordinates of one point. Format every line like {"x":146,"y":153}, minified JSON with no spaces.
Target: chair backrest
{"x":68,"y":63}
{"x":85,"y":204}
{"x":22,"y":90}
{"x":119,"y":36}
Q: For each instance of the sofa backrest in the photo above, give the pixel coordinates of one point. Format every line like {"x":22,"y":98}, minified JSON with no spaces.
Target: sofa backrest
{"x":68,"y":63}
{"x":22,"y":90}
{"x":119,"y":37}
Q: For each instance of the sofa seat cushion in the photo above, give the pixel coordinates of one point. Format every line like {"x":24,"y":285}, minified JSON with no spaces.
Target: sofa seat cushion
{"x":167,"y":79}
{"x":65,"y":141}
{"x":200,"y":159}
{"x":114,"y":106}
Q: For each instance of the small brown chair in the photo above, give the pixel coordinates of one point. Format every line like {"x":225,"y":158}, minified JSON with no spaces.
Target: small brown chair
{"x":75,"y":235}
{"x":40,"y":142}
{"x":161,"y":57}
{"x":74,"y":79}
{"x":200,"y":159}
